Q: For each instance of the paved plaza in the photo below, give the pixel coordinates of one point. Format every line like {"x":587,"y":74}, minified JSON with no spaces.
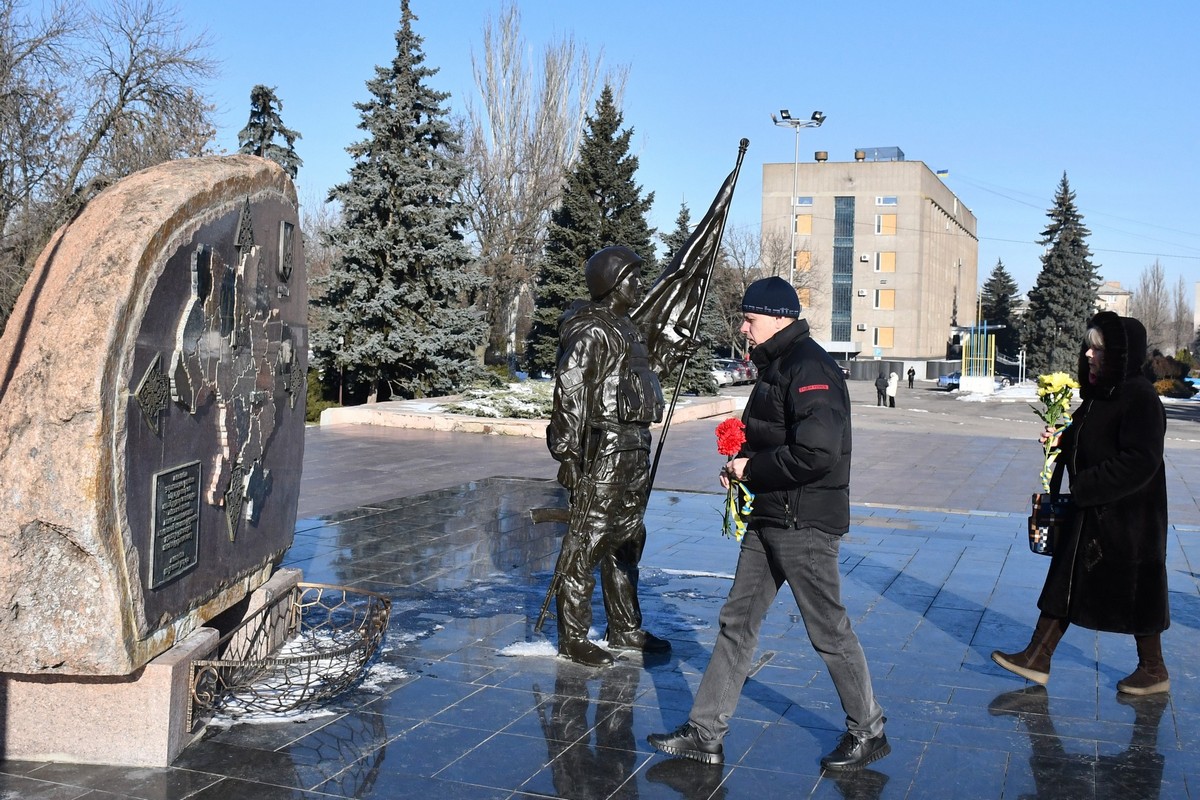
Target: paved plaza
{"x":468,"y":701}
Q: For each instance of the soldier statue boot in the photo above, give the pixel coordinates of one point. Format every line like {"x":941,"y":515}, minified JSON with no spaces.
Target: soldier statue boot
{"x":619,"y":583}
{"x":574,"y":618}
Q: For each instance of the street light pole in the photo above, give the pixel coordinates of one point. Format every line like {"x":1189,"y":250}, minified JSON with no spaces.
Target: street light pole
{"x":786,"y":120}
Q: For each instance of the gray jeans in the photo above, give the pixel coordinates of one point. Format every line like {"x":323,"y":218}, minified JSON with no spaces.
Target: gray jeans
{"x":807,"y":559}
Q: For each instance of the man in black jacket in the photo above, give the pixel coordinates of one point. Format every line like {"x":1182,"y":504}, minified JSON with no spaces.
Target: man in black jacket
{"x":796,"y":460}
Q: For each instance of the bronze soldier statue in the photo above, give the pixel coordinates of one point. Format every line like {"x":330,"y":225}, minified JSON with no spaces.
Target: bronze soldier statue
{"x":606,"y":395}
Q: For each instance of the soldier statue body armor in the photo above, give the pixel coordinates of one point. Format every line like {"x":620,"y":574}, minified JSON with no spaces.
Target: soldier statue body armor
{"x":606,"y":396}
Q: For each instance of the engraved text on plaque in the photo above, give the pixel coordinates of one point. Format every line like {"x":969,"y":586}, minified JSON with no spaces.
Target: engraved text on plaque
{"x":176,"y":523}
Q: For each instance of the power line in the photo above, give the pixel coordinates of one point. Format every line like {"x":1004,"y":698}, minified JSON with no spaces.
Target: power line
{"x":1089,"y":214}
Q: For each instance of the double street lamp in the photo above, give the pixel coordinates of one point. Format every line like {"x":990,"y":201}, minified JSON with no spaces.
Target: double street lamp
{"x":786,"y":120}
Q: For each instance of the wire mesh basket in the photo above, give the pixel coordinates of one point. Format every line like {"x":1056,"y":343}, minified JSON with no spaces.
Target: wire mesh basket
{"x":308,"y":645}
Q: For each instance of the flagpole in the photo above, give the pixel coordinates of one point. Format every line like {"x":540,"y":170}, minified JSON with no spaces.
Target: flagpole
{"x":662,"y":437}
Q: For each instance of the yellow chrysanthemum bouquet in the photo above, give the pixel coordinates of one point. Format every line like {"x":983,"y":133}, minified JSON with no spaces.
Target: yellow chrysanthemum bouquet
{"x":1055,"y":391}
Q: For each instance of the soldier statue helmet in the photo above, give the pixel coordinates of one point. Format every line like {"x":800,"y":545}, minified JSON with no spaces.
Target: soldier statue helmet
{"x":607,"y":268}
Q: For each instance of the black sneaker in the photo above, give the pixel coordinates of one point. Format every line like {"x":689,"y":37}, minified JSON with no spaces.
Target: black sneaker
{"x":853,"y":753}
{"x":686,"y":743}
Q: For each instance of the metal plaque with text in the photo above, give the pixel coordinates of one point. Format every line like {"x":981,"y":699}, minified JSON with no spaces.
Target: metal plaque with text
{"x":173,"y":550}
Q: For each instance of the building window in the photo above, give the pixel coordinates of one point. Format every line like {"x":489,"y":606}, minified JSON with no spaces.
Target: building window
{"x":803,"y":261}
{"x":803,"y":201}
{"x":887,"y":200}
{"x":804,"y":224}
{"x":885,"y":299}
{"x":885,"y":224}
{"x":805,"y":295}
{"x":885,"y":261}
{"x":884,"y":337}
{"x":842,"y":284}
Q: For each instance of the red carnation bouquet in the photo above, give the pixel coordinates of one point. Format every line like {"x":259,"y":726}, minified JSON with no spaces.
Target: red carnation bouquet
{"x":739,"y":500}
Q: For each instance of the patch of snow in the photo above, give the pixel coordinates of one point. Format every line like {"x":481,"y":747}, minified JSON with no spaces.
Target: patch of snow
{"x":295,"y":715}
{"x":381,"y":674}
{"x":542,"y":648}
{"x":691,"y":573}
{"x":539,"y":649}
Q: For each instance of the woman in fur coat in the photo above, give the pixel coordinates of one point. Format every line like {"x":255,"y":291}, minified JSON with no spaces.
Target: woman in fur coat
{"x":1109,"y":573}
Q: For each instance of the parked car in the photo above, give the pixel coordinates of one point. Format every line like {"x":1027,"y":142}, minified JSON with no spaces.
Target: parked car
{"x":950,"y":382}
{"x":723,"y":376}
{"x":742,"y":371}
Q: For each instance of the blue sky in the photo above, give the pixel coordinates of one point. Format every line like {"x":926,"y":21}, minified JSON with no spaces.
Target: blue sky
{"x":1006,"y":96}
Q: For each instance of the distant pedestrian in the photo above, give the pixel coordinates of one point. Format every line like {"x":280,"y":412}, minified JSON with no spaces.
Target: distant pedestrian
{"x":881,"y":384}
{"x":893,"y":383}
{"x":912,"y":373}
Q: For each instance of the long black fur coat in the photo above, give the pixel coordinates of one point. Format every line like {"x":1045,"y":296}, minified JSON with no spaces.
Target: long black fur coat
{"x":1109,"y":573}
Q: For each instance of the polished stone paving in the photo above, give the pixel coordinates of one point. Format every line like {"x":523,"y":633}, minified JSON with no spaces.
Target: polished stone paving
{"x":467,"y":701}
{"x":477,"y":706}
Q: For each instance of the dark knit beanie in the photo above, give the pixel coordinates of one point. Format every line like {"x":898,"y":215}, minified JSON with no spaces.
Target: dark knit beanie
{"x":772,"y":296}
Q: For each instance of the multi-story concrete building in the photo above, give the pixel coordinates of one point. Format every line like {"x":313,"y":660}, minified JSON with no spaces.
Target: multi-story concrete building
{"x":886,"y":256}
{"x":1111,"y":297}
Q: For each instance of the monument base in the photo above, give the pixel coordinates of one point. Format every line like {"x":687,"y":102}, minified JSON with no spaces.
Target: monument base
{"x":138,"y":720}
{"x":977,"y":384}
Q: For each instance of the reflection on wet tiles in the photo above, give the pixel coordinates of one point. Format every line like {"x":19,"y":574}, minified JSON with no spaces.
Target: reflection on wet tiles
{"x":931,"y":594}
{"x":423,"y":751}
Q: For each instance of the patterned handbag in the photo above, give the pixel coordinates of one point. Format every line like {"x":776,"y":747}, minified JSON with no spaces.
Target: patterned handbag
{"x":1052,"y":513}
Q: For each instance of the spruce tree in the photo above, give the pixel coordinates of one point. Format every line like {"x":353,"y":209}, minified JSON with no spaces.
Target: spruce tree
{"x":264,"y":125}
{"x":697,"y":378}
{"x":399,"y":318}
{"x":601,"y":206}
{"x":1064,"y":296}
{"x":998,"y":301}
{"x":672,"y":241}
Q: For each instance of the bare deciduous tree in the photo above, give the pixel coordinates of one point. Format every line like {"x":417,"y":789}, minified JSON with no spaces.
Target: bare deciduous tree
{"x":747,"y":256}
{"x":317,"y":219}
{"x":519,"y":145}
{"x":87,"y":97}
{"x":139,"y":72}
{"x":34,"y":132}
{"x":1151,"y":305}
{"x":1181,"y":318}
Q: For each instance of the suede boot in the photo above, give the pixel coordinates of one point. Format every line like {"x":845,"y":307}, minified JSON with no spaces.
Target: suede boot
{"x":1033,"y":663}
{"x":1150,"y":677}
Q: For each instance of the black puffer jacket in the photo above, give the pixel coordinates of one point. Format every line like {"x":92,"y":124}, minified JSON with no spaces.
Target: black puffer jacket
{"x":798,"y":435}
{"x":1110,"y":573}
